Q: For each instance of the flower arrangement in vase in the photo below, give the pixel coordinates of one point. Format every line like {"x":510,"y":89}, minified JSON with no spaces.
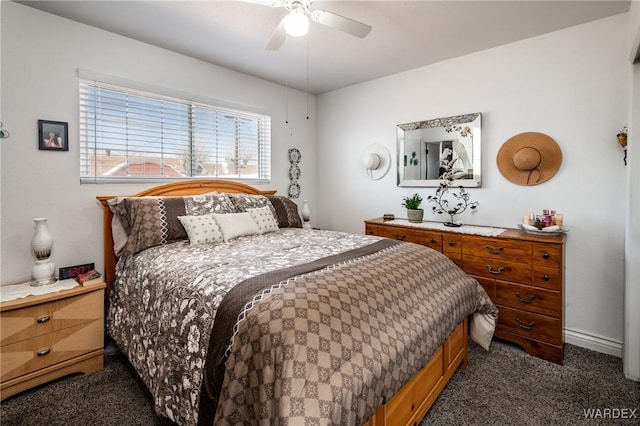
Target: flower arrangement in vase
{"x":458,"y":205}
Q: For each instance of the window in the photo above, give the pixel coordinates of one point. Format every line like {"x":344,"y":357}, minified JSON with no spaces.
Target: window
{"x":131,"y":135}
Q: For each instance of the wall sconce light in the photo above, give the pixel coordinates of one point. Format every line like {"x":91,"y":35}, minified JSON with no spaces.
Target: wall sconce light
{"x":3,"y":133}
{"x":376,"y":161}
{"x":622,"y":140}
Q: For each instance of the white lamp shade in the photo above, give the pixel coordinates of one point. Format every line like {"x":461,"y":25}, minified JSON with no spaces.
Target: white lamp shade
{"x":296,"y":23}
{"x":371,"y":161}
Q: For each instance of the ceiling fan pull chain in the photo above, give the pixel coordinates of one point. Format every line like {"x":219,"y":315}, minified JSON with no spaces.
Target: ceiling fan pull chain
{"x":286,"y":84}
{"x":307,"y":77}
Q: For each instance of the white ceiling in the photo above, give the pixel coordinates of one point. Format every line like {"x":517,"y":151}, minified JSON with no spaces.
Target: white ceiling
{"x":405,"y":35}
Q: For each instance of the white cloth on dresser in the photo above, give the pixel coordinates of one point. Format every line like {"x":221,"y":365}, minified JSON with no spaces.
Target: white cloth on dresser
{"x":17,"y":291}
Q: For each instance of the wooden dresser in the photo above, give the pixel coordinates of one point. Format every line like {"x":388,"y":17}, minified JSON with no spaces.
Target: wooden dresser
{"x":49,"y":336}
{"x":522,"y":273}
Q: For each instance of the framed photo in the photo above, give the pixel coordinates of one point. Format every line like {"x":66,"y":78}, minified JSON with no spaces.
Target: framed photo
{"x":53,"y":135}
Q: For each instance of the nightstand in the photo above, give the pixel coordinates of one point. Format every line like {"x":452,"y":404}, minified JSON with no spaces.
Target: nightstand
{"x":51,"y":335}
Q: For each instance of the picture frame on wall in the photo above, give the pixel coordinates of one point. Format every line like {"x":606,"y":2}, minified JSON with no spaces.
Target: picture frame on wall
{"x":53,"y":135}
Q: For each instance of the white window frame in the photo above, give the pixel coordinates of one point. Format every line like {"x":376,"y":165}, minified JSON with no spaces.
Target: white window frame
{"x":259,"y":140}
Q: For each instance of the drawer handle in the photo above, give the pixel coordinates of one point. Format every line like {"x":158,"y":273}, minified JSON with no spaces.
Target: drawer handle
{"x":527,"y":300}
{"x":525,"y":327}
{"x":433,"y":240}
{"x":545,"y":277}
{"x":43,"y":352}
{"x":400,"y":237}
{"x":44,"y":319}
{"x":452,"y":243}
{"x":545,"y":255}
{"x":494,"y":251}
{"x":495,"y":272}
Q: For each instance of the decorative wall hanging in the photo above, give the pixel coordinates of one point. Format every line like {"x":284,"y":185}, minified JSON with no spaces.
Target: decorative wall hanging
{"x":294,"y":173}
{"x":529,"y":158}
{"x":622,"y":140}
{"x":53,"y":135}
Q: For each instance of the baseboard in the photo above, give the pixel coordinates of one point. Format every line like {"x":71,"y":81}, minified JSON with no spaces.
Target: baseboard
{"x":593,"y":342}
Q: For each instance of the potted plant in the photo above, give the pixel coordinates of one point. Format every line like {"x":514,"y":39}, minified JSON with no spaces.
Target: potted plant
{"x":412,"y":204}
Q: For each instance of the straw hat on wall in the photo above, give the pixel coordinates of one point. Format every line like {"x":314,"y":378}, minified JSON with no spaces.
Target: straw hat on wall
{"x":529,"y":158}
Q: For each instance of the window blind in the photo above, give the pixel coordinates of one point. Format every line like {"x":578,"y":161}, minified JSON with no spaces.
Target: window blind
{"x":132,"y":135}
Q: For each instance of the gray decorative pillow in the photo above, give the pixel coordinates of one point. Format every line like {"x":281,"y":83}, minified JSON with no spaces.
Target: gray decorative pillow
{"x":286,"y":211}
{"x":250,"y":201}
{"x":151,"y":221}
{"x":209,"y":203}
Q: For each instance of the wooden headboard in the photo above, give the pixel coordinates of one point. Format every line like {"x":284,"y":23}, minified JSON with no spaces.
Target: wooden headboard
{"x":190,"y":187}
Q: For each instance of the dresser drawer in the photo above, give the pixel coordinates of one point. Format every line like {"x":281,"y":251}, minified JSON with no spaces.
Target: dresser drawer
{"x":547,"y":255}
{"x":527,"y":298}
{"x":25,"y":323}
{"x":48,"y":349}
{"x":547,"y":278}
{"x":529,"y":324}
{"x":489,"y":286}
{"x":494,"y":248}
{"x":497,"y":268}
{"x":433,"y":240}
{"x":452,"y":245}
{"x":396,"y":233}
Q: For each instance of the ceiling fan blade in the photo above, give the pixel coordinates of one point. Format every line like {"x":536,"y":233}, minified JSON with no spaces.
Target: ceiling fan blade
{"x":347,"y":25}
{"x":270,"y":3}
{"x":277,"y":38}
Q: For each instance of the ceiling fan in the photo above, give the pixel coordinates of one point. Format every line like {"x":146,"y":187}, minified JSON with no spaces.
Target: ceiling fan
{"x":296,"y":23}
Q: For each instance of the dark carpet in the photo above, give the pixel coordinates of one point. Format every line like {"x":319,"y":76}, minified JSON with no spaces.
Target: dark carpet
{"x":504,"y":386}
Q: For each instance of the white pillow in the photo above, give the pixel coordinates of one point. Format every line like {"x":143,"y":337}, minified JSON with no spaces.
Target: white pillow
{"x":264,"y":218}
{"x":201,"y":229}
{"x":234,"y":225}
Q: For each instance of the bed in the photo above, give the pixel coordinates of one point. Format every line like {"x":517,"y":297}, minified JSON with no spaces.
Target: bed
{"x":232,"y":313}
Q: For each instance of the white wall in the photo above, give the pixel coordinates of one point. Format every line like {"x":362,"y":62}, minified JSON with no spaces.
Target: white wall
{"x":573,"y":86}
{"x":40,"y":57}
{"x":631,"y":350}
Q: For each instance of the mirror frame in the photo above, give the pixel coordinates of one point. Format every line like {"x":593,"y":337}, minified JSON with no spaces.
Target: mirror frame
{"x":451,"y":125}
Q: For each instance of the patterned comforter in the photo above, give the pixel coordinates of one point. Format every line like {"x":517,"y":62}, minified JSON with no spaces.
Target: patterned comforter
{"x":324,"y":347}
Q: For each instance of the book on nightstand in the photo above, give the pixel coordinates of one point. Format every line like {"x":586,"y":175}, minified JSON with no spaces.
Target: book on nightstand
{"x":89,"y":277}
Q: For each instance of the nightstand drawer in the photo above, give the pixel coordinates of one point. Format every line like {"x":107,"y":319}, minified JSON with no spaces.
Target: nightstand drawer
{"x":25,"y":323}
{"x":42,"y":351}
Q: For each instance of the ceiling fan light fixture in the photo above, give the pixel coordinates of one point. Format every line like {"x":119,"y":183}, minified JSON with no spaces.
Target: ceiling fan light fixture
{"x":296,"y":23}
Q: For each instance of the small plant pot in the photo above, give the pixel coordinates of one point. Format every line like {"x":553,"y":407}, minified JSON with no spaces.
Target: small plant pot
{"x":415,"y":215}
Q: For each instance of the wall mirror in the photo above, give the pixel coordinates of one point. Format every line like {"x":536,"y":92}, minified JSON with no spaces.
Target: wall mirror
{"x":432,"y":150}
